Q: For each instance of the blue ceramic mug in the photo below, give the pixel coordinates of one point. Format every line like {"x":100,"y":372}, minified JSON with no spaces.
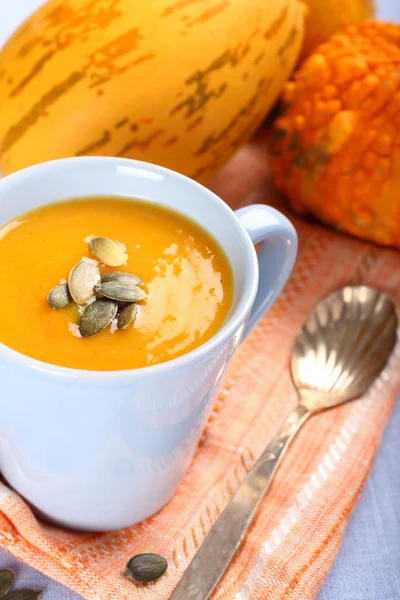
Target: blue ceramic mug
{"x":102,"y":450}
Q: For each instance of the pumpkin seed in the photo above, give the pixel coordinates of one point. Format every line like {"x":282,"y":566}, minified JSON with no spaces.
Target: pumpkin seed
{"x":122,"y":277}
{"x":97,"y":316}
{"x":24,"y":594}
{"x":121,"y":291}
{"x":59,"y":296}
{"x":109,"y":252}
{"x":82,"y":279}
{"x":127,"y":316}
{"x":146,"y":567}
{"x":7,"y":578}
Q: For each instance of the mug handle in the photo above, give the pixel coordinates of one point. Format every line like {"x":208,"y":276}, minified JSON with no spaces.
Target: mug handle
{"x":275,"y":258}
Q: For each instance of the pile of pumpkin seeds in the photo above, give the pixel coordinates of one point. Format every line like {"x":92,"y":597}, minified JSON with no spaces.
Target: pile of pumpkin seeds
{"x":102,"y":299}
{"x":7,"y":580}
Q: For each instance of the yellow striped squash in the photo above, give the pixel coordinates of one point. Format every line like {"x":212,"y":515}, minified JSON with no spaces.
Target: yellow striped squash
{"x":181,"y":83}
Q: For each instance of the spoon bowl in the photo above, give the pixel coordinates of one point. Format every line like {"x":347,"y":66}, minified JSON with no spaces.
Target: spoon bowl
{"x":343,"y":345}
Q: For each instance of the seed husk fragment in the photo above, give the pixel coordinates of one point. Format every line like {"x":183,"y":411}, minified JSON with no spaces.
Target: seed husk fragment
{"x":146,"y":567}
{"x":121,"y":277}
{"x":83,"y":277}
{"x":109,"y":252}
{"x":59,"y":297}
{"x":24,"y":594}
{"x":7,"y":578}
{"x":127,"y":316}
{"x":97,"y":316}
{"x":121,"y":291}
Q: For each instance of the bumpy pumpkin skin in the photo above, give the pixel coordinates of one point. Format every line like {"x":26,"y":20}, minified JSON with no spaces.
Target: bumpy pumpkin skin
{"x":181,"y":83}
{"x":326,"y":17}
{"x":335,"y":149}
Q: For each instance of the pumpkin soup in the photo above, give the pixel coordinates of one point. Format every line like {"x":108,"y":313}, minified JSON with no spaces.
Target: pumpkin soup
{"x":110,"y":284}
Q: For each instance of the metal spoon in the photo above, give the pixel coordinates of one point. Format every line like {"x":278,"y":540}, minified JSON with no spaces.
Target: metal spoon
{"x":342,"y":347}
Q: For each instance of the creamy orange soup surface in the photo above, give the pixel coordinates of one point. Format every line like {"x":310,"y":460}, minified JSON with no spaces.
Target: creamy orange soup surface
{"x":187,"y":277}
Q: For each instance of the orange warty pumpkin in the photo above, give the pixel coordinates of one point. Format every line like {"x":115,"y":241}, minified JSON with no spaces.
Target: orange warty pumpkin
{"x":326,"y":17}
{"x":335,"y":148}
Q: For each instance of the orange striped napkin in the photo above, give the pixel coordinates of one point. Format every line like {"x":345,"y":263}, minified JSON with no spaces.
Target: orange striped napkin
{"x":296,"y":535}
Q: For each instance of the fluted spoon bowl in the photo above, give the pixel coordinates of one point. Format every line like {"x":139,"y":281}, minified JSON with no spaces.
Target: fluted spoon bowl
{"x":343,"y":346}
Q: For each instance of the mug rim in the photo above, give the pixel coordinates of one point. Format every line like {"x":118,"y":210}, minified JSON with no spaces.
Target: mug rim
{"x":226,"y":331}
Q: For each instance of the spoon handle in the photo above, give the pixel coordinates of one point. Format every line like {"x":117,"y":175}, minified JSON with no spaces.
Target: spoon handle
{"x":216,"y":552}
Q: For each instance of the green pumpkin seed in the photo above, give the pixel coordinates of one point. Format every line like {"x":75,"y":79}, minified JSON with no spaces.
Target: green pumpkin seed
{"x":121,"y":277}
{"x":121,"y":291}
{"x":82,"y":280}
{"x":127,"y":316}
{"x":146,"y":567}
{"x":97,"y":316}
{"x":24,"y":594}
{"x":109,"y":252}
{"x":59,"y":296}
{"x":7,"y":578}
